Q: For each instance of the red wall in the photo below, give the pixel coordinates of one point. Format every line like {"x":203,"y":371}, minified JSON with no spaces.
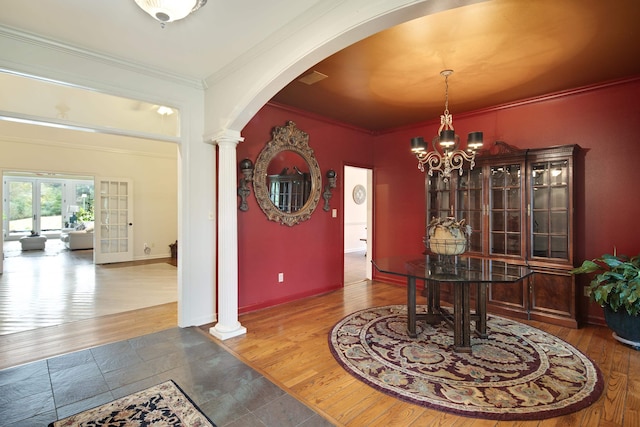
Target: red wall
{"x":310,"y":254}
{"x":604,"y":121}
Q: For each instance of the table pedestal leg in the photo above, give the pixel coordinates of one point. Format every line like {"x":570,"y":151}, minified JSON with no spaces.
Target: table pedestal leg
{"x":481,"y":309}
{"x":411,"y":307}
{"x":461,"y":318}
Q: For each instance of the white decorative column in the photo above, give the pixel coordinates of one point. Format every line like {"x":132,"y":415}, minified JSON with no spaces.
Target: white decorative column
{"x":228,"y":325}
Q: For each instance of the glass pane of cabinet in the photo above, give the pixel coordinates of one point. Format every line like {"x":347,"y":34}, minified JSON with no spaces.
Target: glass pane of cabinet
{"x":550,"y":209}
{"x":505,"y":209}
{"x":469,"y":198}
{"x":439,"y":201}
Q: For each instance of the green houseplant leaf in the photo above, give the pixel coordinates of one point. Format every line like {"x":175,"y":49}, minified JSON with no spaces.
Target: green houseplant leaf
{"x":616,"y":283}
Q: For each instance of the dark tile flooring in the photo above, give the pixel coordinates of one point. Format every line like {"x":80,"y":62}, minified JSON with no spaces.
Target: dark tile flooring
{"x":228,"y":391}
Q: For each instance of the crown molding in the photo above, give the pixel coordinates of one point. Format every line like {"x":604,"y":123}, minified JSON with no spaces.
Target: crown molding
{"x":42,"y":42}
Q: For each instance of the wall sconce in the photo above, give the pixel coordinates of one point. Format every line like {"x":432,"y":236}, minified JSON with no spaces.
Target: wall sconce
{"x":331,"y":178}
{"x":246,"y":168}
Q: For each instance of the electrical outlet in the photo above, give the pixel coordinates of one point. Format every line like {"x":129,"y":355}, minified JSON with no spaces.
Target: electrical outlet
{"x":280,"y":277}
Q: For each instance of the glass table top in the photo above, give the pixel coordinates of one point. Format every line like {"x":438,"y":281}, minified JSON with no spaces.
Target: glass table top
{"x":452,"y":268}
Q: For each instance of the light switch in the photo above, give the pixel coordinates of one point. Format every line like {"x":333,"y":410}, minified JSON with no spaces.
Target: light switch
{"x":334,"y":213}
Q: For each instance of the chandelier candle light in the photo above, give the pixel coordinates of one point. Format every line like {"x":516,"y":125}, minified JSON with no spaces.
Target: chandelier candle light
{"x":445,"y":156}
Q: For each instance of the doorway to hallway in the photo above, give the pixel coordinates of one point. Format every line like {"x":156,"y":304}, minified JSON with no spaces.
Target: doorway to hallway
{"x":357,"y":224}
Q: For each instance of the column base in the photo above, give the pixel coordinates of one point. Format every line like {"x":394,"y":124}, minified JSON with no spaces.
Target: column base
{"x":225,"y":333}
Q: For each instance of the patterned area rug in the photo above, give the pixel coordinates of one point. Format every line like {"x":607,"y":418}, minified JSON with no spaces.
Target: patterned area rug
{"x":517,"y":373}
{"x":163,"y":405}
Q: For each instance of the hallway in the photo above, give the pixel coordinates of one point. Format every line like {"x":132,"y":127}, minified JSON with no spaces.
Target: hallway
{"x":355,"y":267}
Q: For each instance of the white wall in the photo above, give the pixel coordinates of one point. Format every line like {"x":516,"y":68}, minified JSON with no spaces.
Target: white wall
{"x":151,"y":165}
{"x":355,"y":215}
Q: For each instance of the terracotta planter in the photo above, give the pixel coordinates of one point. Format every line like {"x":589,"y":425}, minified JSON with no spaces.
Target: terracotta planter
{"x":445,"y":243}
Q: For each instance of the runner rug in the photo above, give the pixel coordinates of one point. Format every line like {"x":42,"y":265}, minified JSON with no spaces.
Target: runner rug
{"x":161,"y":405}
{"x":517,"y":373}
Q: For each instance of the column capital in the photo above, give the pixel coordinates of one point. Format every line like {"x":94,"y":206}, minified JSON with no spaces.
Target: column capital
{"x":224,"y":136}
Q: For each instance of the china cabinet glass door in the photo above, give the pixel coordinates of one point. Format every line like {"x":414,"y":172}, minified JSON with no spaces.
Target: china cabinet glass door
{"x":505,"y":217}
{"x":470,"y":203}
{"x":550,"y":209}
{"x":438,"y":198}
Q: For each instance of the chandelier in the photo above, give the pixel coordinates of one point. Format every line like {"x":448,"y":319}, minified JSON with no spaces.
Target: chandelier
{"x":170,"y":10}
{"x":444,"y":155}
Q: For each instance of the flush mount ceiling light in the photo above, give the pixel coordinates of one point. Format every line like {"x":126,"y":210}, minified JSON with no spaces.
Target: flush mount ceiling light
{"x":445,"y":156}
{"x":164,"y":111}
{"x":170,"y":10}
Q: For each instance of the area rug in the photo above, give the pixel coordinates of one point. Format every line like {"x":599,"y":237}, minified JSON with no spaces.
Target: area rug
{"x":163,"y":405}
{"x":517,"y":373}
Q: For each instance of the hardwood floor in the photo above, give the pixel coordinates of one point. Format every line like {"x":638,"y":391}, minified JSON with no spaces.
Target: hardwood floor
{"x":355,"y":267}
{"x":288,"y":345}
{"x":46,"y":288}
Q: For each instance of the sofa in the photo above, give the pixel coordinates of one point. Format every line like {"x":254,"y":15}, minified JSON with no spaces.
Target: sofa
{"x":79,"y":238}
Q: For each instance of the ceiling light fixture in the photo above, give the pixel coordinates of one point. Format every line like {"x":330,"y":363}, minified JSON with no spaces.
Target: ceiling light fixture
{"x":445,"y":156}
{"x":170,"y":10}
{"x":165,"y":111}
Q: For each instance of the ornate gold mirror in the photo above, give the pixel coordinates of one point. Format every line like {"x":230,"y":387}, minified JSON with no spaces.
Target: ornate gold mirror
{"x":287,"y":179}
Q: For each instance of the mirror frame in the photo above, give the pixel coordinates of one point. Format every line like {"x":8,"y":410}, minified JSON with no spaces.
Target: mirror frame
{"x":286,"y":138}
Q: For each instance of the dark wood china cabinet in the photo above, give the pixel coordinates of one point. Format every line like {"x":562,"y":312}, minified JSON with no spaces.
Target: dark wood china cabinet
{"x":519,"y":203}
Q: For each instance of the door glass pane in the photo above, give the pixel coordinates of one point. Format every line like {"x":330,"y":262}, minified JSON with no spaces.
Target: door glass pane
{"x":559,"y":197}
{"x":513,"y":222}
{"x":505,"y":221}
{"x":497,"y":221}
{"x":559,"y":222}
{"x":541,"y":198}
{"x":539,"y":174}
{"x":50,"y":206}
{"x":540,"y":222}
{"x":550,"y":209}
{"x":497,"y":200}
{"x":540,"y":246}
{"x":469,"y":205}
{"x":559,"y":247}
{"x":513,"y":198}
{"x":497,"y":243}
{"x":20,"y":207}
{"x":439,"y":198}
{"x":559,"y":172}
{"x":513,"y":244}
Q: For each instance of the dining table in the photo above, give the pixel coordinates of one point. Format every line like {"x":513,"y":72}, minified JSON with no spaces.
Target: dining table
{"x":463,"y":273}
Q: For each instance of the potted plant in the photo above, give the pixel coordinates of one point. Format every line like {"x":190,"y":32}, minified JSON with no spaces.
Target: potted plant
{"x":616,"y":288}
{"x":447,"y":236}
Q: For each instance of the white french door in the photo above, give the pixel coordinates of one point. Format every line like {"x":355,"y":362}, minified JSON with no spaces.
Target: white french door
{"x":113,"y":220}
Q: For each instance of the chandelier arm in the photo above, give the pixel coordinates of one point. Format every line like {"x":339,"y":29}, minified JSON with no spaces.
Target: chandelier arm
{"x":433,"y":159}
{"x":458,"y":157}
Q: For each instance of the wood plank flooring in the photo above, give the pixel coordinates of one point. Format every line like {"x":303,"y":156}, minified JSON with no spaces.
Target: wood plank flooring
{"x":54,"y":286}
{"x":288,"y":345}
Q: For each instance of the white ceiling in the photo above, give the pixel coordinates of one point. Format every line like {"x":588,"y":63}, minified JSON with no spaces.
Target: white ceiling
{"x":194,"y":47}
{"x":501,"y":50}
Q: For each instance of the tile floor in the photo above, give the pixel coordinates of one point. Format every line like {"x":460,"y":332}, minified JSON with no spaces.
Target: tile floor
{"x":228,"y":391}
